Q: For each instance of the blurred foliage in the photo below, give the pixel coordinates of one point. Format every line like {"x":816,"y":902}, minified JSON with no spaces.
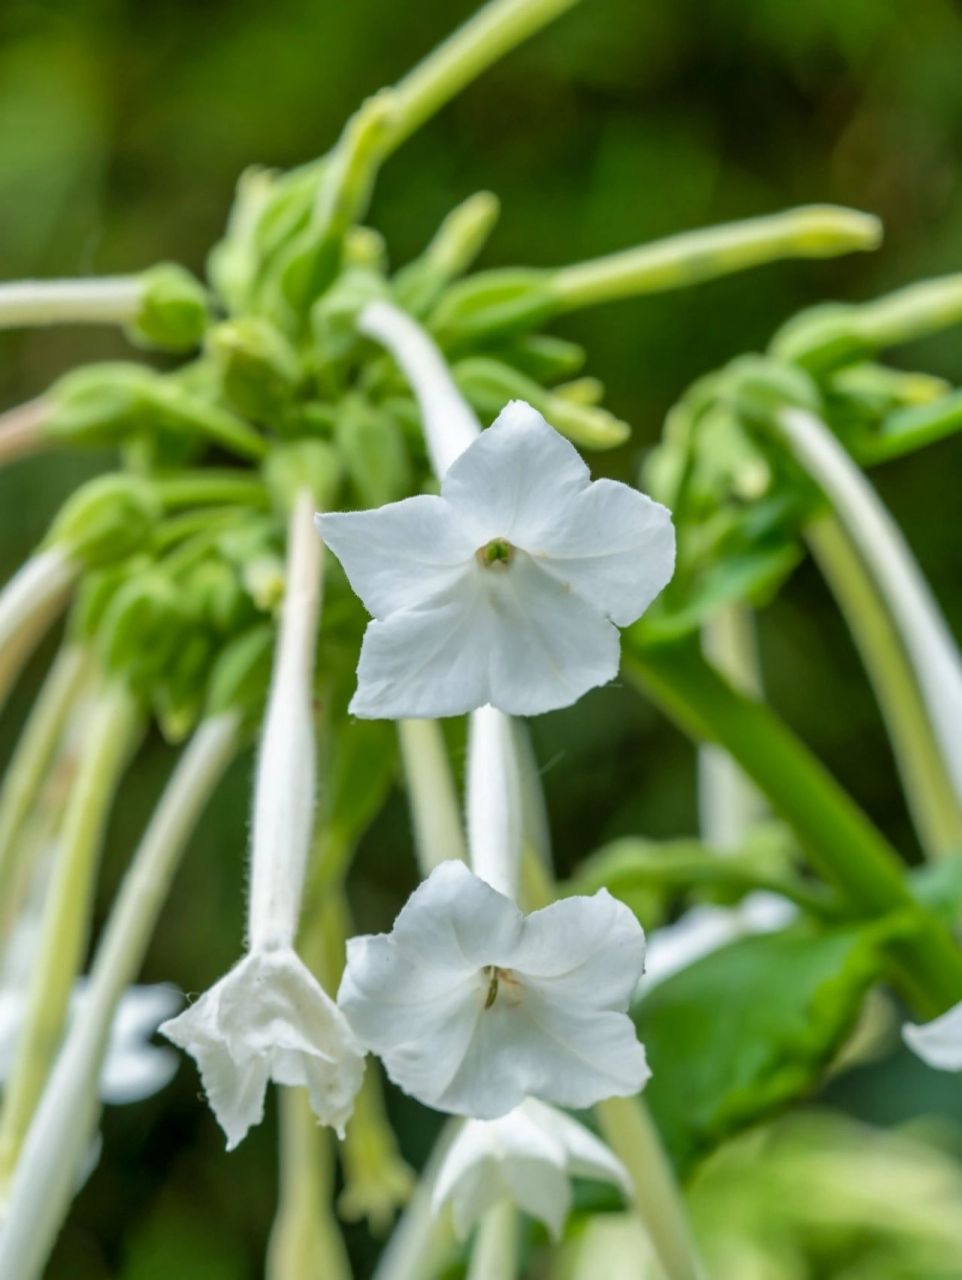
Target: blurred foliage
{"x":123,"y":128}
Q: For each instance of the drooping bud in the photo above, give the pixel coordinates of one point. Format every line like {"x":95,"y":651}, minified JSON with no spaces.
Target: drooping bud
{"x":106,"y":520}
{"x":258,"y":367}
{"x":173,"y":310}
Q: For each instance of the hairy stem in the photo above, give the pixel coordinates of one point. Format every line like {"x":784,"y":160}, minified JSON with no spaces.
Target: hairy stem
{"x":109,"y":300}
{"x":495,"y":1252}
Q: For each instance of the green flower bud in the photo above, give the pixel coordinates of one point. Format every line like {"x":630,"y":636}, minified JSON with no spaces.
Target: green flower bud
{"x":173,"y":310}
{"x":95,"y":592}
{"x":106,"y":520}
{"x":232,"y":263}
{"x":99,"y":405}
{"x":542,"y":356}
{"x":458,"y":241}
{"x":216,"y":596}
{"x":758,"y":387}
{"x":141,"y":629}
{"x":821,"y":338}
{"x":258,"y":367}
{"x":488,"y":385}
{"x":180,"y":695}
{"x":367,"y":248}
{"x":291,"y":467}
{"x":372,"y":447}
{"x":241,"y":675}
{"x":334,"y":317}
{"x":494,"y":304}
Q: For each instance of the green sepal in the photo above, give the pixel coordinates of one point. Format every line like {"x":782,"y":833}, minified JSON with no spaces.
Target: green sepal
{"x":241,"y":675}
{"x":173,"y":311}
{"x":373,"y":449}
{"x":259,"y":369}
{"x":493,"y":305}
{"x":106,"y":520}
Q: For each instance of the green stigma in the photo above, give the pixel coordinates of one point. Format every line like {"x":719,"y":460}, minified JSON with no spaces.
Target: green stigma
{"x":496,"y":553}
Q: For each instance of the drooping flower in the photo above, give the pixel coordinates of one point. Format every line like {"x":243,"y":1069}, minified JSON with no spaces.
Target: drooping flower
{"x":507,"y":589}
{"x":939,"y":1042}
{"x":269,"y":1018}
{"x":528,"y":1157}
{"x":473,"y":1006}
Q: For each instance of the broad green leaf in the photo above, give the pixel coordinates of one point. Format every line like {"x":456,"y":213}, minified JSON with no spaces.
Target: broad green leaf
{"x":748,"y":1030}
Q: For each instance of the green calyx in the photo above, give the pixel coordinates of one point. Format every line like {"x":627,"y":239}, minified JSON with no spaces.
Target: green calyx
{"x":107,"y":520}
{"x":174,"y":310}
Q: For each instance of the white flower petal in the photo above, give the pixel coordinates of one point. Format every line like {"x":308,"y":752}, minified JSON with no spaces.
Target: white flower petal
{"x":546,"y":646}
{"x":613,"y":546}
{"x":462,"y":1023}
{"x":269,"y":1019}
{"x":134,"y":1073}
{"x":939,"y":1043}
{"x":140,"y":1012}
{"x":399,"y":555}
{"x":427,"y":662}
{"x":526,"y":1157}
{"x":515,"y":478}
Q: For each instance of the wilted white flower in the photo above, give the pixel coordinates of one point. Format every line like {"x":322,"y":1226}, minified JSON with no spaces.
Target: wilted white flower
{"x":507,"y":589}
{"x":939,"y":1043}
{"x":269,"y":1018}
{"x":473,"y":1006}
{"x":133,"y":1068}
{"x":528,"y":1157}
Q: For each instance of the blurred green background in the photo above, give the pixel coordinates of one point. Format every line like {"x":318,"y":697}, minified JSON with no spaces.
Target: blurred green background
{"x":123,"y":127}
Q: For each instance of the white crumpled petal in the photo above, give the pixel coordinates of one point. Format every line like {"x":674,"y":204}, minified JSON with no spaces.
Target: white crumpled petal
{"x":529,"y":633}
{"x":939,"y":1043}
{"x":269,"y":1019}
{"x":527,"y":1157}
{"x":473,"y":1006}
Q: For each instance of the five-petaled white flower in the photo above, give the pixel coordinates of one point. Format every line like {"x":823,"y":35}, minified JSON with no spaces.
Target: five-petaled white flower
{"x":939,"y":1043}
{"x":269,"y":1019}
{"x":528,"y":1157}
{"x":473,"y":1006}
{"x":507,"y":589}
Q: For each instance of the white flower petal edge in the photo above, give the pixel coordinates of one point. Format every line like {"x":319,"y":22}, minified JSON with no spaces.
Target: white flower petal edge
{"x":939,"y":1043}
{"x":508,"y":588}
{"x":527,"y":1157}
{"x":474,"y":1007}
{"x":269,"y":1019}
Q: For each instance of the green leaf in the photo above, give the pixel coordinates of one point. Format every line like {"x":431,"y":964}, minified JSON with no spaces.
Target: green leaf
{"x":749,"y":1029}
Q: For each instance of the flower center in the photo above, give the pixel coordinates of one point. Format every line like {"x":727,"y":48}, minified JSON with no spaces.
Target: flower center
{"x":496,"y":554}
{"x":503,"y":982}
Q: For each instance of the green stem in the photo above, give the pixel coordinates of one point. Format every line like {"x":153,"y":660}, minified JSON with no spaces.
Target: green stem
{"x":495,"y":1252}
{"x":31,"y":758}
{"x":66,"y":916}
{"x":816,"y":231}
{"x":421,"y":1242}
{"x":932,"y":801}
{"x":305,"y":1240}
{"x":46,"y":1175}
{"x":494,"y":30}
{"x":630,"y":1132}
{"x":841,"y":842}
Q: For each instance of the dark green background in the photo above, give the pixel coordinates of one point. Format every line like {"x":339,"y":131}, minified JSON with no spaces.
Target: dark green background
{"x":123,"y":126}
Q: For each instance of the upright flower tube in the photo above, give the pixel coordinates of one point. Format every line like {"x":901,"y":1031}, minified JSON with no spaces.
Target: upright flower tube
{"x":930,"y":648}
{"x":269,"y":1018}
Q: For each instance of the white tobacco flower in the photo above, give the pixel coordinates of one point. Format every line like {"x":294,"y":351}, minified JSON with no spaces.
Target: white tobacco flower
{"x":473,"y":1006}
{"x":939,"y":1043}
{"x":507,"y":589}
{"x":269,"y":1018}
{"x":133,"y":1068}
{"x":527,"y":1157}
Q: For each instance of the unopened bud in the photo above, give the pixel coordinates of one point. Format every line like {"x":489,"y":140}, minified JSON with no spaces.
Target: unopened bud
{"x":106,"y":520}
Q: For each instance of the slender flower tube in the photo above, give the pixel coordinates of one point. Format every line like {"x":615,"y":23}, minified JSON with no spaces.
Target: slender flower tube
{"x":269,"y":1018}
{"x":928,"y":643}
{"x":438,"y":831}
{"x":28,"y":605}
{"x":108,"y":300}
{"x":494,"y":801}
{"x":59,"y":1135}
{"x":528,"y":1157}
{"x":21,"y":430}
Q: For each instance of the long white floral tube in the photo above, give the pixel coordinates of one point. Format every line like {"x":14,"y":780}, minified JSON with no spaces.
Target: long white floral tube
{"x":28,"y":603}
{"x":929,"y":646}
{"x":108,"y":300}
{"x":494,"y":801}
{"x":284,"y":789}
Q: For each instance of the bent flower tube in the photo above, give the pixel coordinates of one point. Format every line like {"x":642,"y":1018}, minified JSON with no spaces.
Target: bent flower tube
{"x":527,"y":1157}
{"x":939,"y":1043}
{"x":508,"y":589}
{"x":473,"y":1006}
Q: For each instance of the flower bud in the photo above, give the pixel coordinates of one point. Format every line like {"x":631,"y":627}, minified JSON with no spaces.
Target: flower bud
{"x":100,"y":404}
{"x":460,"y":238}
{"x":334,"y":317}
{"x":178,"y":699}
{"x":758,"y":387}
{"x":241,"y":675}
{"x":173,"y":310}
{"x":543,"y":357}
{"x":491,"y":305}
{"x":259,"y":369}
{"x":488,"y":385}
{"x":305,"y":463}
{"x":106,"y":520}
{"x":142,"y":629}
{"x":372,"y":446}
